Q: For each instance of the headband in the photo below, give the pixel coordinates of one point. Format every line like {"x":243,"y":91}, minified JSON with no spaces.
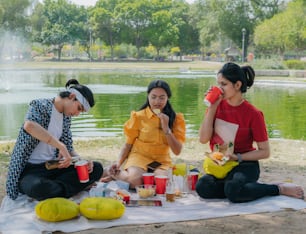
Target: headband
{"x":80,"y":98}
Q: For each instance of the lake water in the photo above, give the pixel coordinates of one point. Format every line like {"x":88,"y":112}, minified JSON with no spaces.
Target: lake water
{"x":119,"y":92}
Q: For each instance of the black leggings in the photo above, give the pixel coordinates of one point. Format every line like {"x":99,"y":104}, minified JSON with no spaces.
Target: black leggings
{"x":39,"y":183}
{"x":240,"y":185}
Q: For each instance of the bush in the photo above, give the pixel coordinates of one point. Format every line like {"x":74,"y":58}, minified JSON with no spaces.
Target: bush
{"x":270,"y":63}
{"x":296,"y":64}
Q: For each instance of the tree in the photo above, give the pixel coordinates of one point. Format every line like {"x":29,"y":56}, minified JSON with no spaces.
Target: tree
{"x":230,"y":17}
{"x":106,"y":22}
{"x":290,"y":33}
{"x":204,"y":17}
{"x":163,"y":28}
{"x":14,"y":27}
{"x":64,"y":24}
{"x":188,"y":36}
{"x":14,"y":15}
{"x":136,"y":17}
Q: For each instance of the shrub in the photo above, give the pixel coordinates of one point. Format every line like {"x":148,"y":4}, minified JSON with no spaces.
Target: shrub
{"x":296,"y":64}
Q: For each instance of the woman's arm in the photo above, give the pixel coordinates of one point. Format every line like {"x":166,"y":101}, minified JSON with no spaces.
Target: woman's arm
{"x":174,"y":144}
{"x":207,"y":126}
{"x":262,"y":152}
{"x":124,"y":153}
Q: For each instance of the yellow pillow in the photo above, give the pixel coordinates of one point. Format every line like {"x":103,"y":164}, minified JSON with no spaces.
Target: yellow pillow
{"x":101,"y":208}
{"x":56,"y":209}
{"x":211,"y":168}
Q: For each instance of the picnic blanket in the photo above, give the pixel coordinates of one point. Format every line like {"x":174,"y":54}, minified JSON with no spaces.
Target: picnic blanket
{"x":18,"y":217}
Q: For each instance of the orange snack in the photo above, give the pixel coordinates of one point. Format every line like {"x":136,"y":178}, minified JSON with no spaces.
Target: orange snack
{"x":217,"y":155}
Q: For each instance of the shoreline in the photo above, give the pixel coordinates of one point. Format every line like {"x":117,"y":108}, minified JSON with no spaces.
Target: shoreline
{"x":211,"y":66}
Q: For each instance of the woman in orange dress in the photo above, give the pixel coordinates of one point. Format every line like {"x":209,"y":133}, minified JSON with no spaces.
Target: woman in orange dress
{"x":150,"y":134}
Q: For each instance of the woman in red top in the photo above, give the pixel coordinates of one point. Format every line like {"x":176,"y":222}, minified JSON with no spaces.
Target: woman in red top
{"x":233,"y":119}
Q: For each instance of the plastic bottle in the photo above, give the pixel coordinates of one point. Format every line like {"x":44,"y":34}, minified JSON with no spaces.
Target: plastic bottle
{"x":170,"y":188}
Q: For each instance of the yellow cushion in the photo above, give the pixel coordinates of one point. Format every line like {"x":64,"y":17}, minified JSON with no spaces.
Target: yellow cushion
{"x":211,"y":168}
{"x":56,"y":209}
{"x":101,"y":208}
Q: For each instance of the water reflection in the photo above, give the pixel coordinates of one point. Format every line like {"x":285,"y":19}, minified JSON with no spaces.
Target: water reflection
{"x":117,"y":93}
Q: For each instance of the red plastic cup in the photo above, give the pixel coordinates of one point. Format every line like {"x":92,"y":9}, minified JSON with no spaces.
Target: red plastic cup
{"x":82,"y":170}
{"x":148,"y":178}
{"x":160,"y":182}
{"x":192,"y":180}
{"x":212,"y":95}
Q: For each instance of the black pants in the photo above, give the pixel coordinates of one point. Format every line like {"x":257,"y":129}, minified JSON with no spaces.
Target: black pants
{"x":240,"y":185}
{"x":39,"y":183}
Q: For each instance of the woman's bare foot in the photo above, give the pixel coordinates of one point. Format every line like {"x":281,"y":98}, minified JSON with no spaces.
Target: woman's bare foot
{"x":291,"y":190}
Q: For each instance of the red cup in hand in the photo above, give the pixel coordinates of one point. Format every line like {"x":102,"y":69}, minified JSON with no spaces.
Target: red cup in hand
{"x":82,"y":170}
{"x":212,"y":95}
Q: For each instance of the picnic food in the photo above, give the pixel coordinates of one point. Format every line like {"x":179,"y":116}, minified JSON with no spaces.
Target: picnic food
{"x":145,"y":191}
{"x":156,"y":111}
{"x":217,"y":155}
{"x":216,"y":163}
{"x":101,"y":208}
{"x":56,"y":209}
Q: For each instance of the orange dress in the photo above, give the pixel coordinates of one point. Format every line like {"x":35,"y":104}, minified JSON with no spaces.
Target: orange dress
{"x":144,"y":132}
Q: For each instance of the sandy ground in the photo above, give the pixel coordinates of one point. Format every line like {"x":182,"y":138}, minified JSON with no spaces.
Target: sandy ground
{"x":286,"y":164}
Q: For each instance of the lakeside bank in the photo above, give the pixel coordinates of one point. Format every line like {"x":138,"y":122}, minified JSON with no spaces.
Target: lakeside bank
{"x":185,"y":66}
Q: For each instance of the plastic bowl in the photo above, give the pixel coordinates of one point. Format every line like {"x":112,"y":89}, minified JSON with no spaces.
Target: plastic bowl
{"x":146,"y":191}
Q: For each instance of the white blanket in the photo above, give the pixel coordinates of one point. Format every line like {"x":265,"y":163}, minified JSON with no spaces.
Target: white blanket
{"x":18,"y":217}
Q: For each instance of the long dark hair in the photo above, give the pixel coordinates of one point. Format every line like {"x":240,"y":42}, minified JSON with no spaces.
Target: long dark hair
{"x":84,"y":90}
{"x":168,"y":110}
{"x":234,"y":73}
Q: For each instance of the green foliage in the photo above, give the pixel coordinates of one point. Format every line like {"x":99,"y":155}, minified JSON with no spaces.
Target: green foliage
{"x":205,"y":25}
{"x":64,"y":23}
{"x":290,"y":33}
{"x":296,"y":64}
{"x":270,"y":63}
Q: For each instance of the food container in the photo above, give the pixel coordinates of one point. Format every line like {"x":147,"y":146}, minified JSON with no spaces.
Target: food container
{"x":146,"y":191}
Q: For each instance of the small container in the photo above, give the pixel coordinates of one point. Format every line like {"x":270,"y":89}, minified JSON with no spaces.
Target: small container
{"x":123,"y":195}
{"x":212,"y":95}
{"x":146,"y":190}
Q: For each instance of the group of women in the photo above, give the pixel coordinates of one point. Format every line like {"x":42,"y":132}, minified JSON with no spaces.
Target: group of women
{"x":152,"y":133}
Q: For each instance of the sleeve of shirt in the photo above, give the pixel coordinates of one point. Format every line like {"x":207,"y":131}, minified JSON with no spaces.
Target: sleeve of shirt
{"x":179,"y":128}
{"x":35,"y":112}
{"x":131,"y":128}
{"x":259,"y":128}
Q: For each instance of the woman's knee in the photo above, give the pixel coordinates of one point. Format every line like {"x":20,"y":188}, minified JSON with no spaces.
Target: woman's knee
{"x":42,"y":189}
{"x":205,"y":187}
{"x":232,"y":190}
{"x":97,"y":171}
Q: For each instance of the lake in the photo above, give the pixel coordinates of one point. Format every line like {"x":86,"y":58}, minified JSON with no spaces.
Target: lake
{"x":119,"y":92}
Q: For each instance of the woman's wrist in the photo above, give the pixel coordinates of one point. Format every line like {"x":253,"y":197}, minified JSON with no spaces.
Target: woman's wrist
{"x":239,"y":157}
{"x":49,"y":140}
{"x":168,"y":132}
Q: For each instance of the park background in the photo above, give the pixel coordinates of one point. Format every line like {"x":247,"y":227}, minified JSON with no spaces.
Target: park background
{"x":271,"y":34}
{"x":173,"y":35}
